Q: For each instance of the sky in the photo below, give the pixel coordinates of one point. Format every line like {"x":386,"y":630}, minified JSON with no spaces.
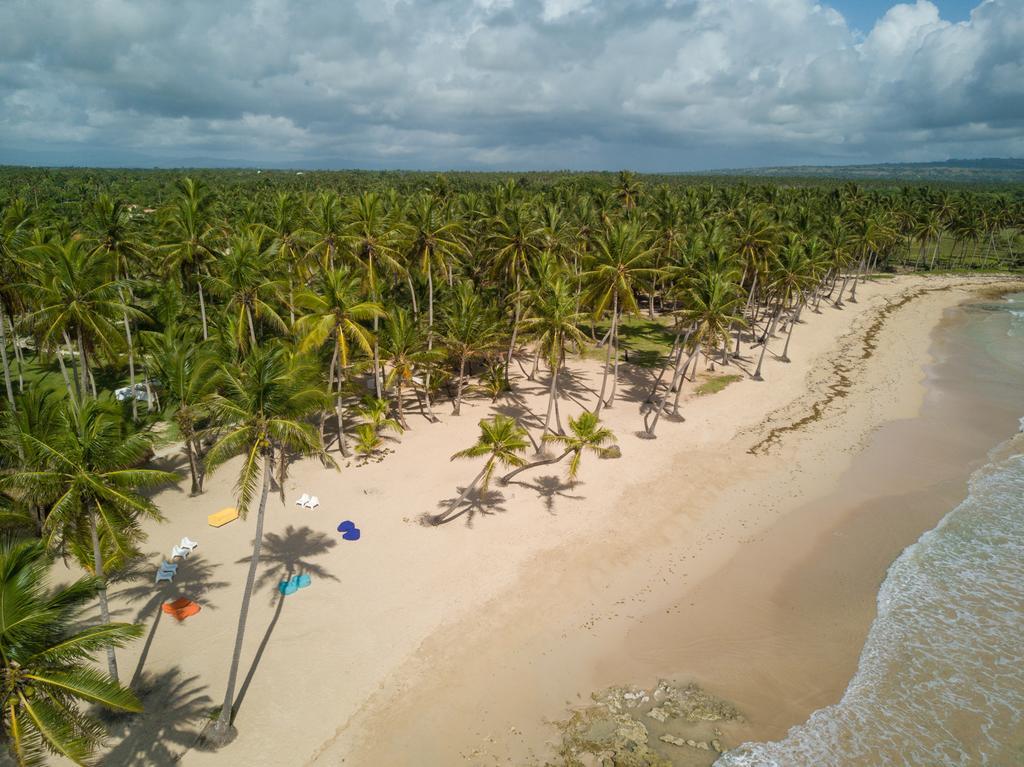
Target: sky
{"x":650,"y":85}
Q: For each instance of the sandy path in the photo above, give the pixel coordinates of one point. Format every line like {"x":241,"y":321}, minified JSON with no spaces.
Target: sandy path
{"x":388,"y":658}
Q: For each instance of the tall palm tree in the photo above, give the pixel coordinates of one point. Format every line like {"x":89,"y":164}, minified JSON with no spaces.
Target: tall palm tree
{"x":47,"y":661}
{"x":334,"y":309}
{"x":185,"y":367}
{"x":87,"y":469}
{"x":262,"y":405}
{"x":619,"y":265}
{"x":404,"y":348}
{"x":75,"y":295}
{"x":554,"y":324}
{"x":469,"y":329}
{"x":189,"y":236}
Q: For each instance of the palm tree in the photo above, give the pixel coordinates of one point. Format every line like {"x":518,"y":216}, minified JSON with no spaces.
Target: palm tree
{"x":245,"y":278}
{"x":375,"y":413}
{"x":47,"y":661}
{"x":76,"y":296}
{"x":585,"y":435}
{"x":373,"y":239}
{"x":15,"y":224}
{"x":628,"y":190}
{"x":334,"y":308}
{"x":189,"y":236}
{"x":185,"y":368}
{"x":262,"y":405}
{"x":620,"y":259}
{"x":87,"y":468}
{"x":469,"y":329}
{"x":554,"y":324}
{"x":502,"y":440}
{"x":404,"y":347}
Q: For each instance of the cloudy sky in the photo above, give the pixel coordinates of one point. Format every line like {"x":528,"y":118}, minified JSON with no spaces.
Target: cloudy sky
{"x":509,"y":84}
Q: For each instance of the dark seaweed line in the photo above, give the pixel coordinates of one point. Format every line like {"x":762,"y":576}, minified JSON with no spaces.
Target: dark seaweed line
{"x":841,"y":373}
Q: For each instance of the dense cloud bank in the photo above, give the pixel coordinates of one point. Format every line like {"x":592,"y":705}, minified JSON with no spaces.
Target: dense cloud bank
{"x":670,"y":85}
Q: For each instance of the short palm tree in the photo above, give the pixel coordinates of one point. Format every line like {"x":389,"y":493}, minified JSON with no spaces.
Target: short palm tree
{"x":261,"y":405}
{"x":47,"y":670}
{"x":502,"y":440}
{"x":469,"y":329}
{"x":586,"y":434}
{"x":87,"y":468}
{"x":404,"y":348}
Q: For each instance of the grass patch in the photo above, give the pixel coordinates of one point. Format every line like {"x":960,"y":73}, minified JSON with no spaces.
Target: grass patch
{"x":716,"y":384}
{"x":643,"y":341}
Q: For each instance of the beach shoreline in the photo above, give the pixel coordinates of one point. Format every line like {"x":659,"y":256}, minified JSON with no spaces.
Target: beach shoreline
{"x":400,"y":646}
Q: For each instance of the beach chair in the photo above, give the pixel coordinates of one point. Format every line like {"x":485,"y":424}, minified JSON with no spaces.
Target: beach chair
{"x":222,"y":517}
{"x":165,"y":565}
{"x":179,"y":552}
{"x":188,"y":543}
{"x":164,"y":575}
{"x":303,"y":500}
{"x":181,"y":608}
{"x":312,"y":503}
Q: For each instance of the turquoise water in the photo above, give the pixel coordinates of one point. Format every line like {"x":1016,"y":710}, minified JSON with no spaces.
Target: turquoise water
{"x":940,"y":680}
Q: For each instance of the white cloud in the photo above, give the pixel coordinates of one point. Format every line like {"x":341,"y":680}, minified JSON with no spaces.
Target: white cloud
{"x":655,"y":84}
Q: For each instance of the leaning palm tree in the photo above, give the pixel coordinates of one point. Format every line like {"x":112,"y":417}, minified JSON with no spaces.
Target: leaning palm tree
{"x":619,"y":266}
{"x":47,"y":661}
{"x":501,"y":440}
{"x":86,"y":468}
{"x":586,"y":434}
{"x":261,"y":406}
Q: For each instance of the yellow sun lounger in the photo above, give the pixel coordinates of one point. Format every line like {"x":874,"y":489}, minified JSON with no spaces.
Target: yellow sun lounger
{"x":222,"y":517}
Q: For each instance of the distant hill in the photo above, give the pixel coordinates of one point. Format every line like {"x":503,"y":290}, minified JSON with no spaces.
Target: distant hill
{"x":984,"y":170}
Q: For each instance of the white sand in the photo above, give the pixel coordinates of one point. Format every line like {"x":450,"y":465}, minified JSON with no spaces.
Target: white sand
{"x":392,"y":656}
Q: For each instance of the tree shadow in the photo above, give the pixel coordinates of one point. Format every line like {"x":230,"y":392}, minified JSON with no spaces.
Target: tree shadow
{"x":175,"y":707}
{"x":194,"y":580}
{"x":283,"y":556}
{"x":548,"y":487}
{"x":476,"y":502}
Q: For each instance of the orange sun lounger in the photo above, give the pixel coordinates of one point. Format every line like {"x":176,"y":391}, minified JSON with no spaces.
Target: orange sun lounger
{"x":181,"y":608}
{"x":222,"y":517}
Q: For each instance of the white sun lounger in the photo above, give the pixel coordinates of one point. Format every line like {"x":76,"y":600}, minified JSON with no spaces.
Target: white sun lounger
{"x":164,"y":575}
{"x":188,"y":543}
{"x":180,"y":551}
{"x":303,"y":500}
{"x":312,"y":503}
{"x":172,"y":568}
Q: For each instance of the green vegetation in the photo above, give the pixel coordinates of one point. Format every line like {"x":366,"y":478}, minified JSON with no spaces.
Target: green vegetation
{"x":716,"y":384}
{"x":276,"y":316}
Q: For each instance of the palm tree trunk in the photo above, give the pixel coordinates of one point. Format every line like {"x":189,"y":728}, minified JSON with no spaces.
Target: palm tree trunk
{"x":764,"y":347}
{"x":202,"y":311}
{"x":515,"y":330}
{"x":97,"y":563}
{"x":223,"y":724}
{"x":412,"y":295}
{"x":193,"y":466}
{"x":789,"y":335}
{"x":552,"y":396}
{"x":536,"y":364}
{"x":400,"y":400}
{"x":7,"y":369}
{"x":608,"y":354}
{"x":458,"y":388}
{"x":534,"y":464}
{"x":82,"y":363}
{"x":131,"y":364}
{"x":64,"y":373}
{"x":467,"y":489}
{"x":339,"y":405}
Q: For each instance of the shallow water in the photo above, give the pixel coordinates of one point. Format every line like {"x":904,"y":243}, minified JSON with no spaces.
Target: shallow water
{"x":939,"y":679}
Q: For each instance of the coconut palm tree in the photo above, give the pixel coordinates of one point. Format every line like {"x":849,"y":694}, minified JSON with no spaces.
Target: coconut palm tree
{"x":75,"y":295}
{"x":404,"y":348}
{"x":586,"y":435}
{"x":47,"y":659}
{"x":185,"y":367}
{"x":15,"y":225}
{"x":469,"y":330}
{"x":554,"y":325}
{"x":86,"y":468}
{"x":501,"y":440}
{"x":261,"y":405}
{"x":334,"y":308}
{"x":619,"y":265}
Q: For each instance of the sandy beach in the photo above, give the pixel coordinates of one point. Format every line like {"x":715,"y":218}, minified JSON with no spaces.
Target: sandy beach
{"x":451,"y":644}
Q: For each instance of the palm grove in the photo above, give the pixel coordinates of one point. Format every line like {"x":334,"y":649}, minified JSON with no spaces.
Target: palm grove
{"x":291,"y":323}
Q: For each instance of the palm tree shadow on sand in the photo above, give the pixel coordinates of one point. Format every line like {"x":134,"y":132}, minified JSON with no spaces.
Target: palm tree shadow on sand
{"x":549,"y":487}
{"x":477,"y":502}
{"x":282,"y":557}
{"x":175,"y":708}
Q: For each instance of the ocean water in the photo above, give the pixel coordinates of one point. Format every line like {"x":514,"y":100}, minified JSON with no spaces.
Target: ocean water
{"x":940,"y":679}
